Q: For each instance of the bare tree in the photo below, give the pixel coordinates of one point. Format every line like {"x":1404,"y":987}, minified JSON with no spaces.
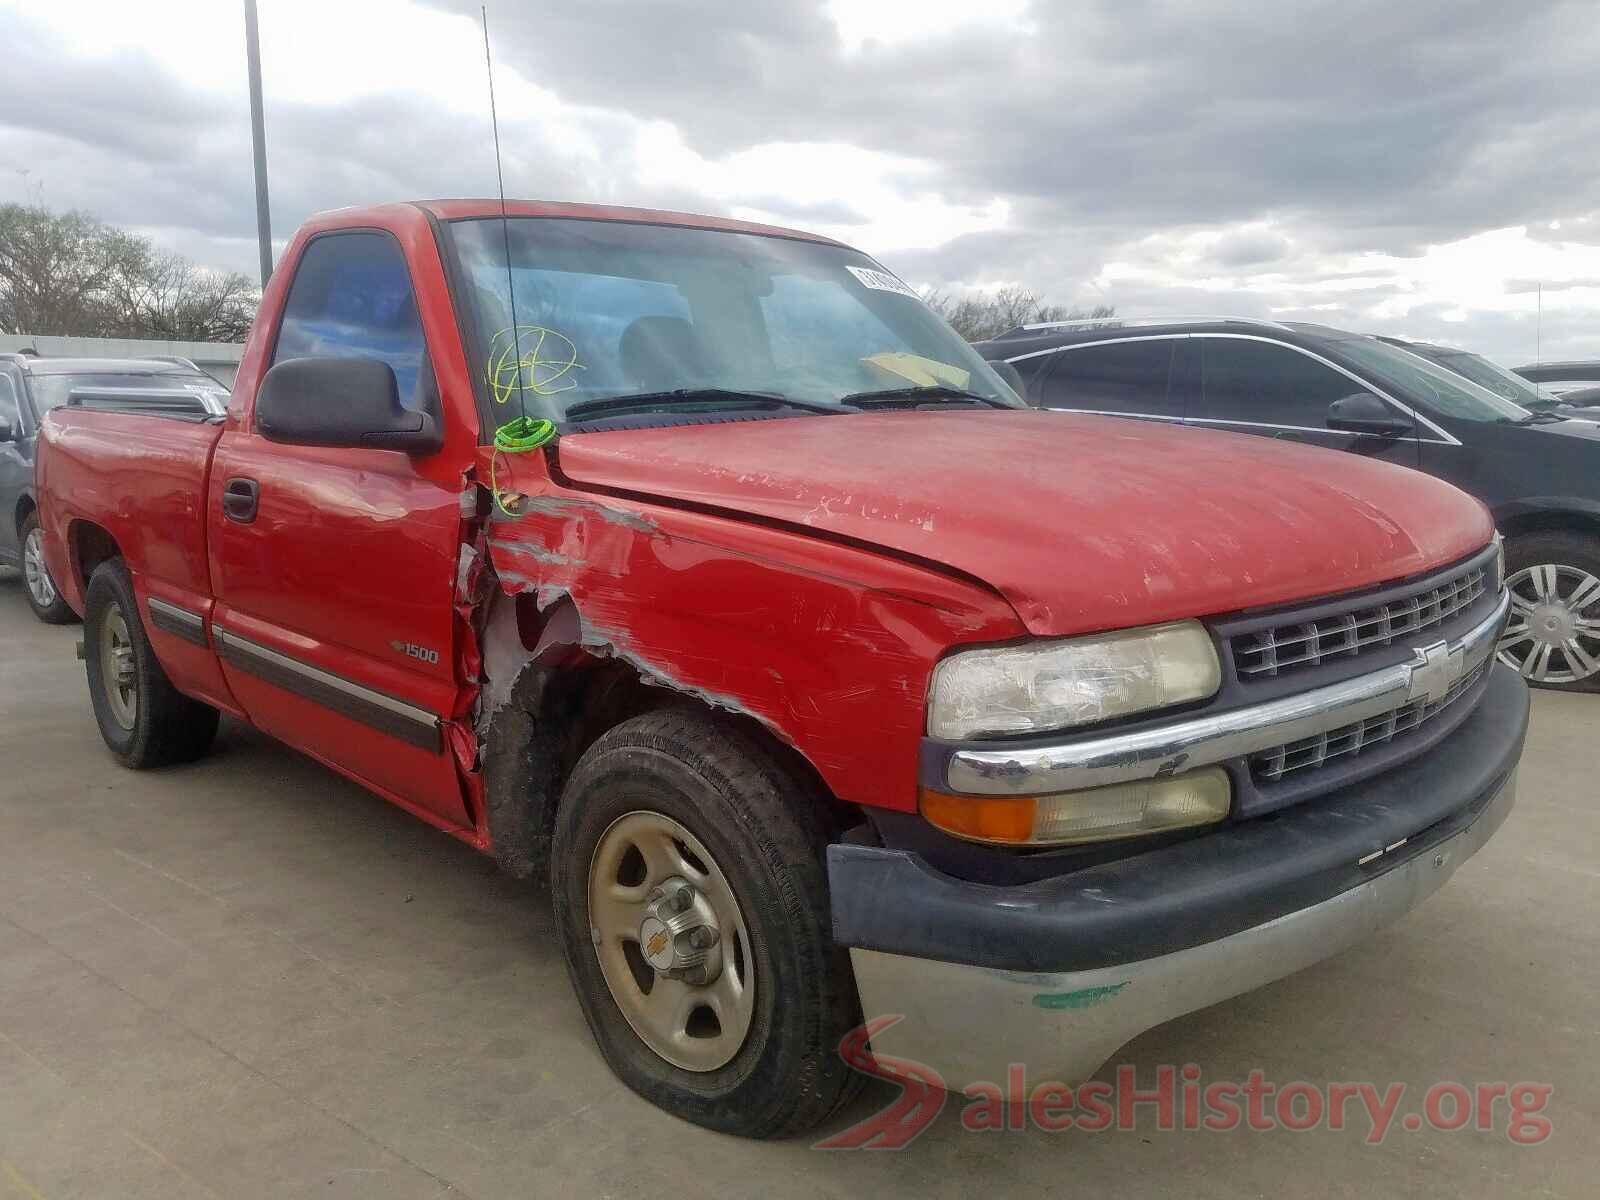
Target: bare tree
{"x":979,"y":315}
{"x":69,"y":274}
{"x":172,"y":298}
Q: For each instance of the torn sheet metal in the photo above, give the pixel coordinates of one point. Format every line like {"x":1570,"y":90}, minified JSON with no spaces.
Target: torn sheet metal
{"x":829,"y":646}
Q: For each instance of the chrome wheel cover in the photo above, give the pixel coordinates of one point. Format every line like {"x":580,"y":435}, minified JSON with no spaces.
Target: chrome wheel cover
{"x":671,"y":941}
{"x":34,"y":573}
{"x":1553,"y":635}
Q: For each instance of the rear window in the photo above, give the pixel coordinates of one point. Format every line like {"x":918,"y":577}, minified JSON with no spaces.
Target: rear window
{"x":52,"y":391}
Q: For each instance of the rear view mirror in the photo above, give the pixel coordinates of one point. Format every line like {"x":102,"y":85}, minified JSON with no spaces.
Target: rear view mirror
{"x":341,"y":402}
{"x":1365,"y":413}
{"x":7,"y":434}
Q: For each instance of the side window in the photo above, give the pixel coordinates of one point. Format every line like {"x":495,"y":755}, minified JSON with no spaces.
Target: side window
{"x":1117,"y":377}
{"x":352,"y":298}
{"x":1267,"y":384}
{"x":10,"y":409}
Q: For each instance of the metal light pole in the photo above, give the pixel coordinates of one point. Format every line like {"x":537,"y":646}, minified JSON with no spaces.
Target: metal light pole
{"x":252,"y":43}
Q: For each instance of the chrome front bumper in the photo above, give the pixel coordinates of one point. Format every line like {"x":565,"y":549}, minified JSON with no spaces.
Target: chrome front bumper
{"x":1203,"y":740}
{"x":969,"y":1023}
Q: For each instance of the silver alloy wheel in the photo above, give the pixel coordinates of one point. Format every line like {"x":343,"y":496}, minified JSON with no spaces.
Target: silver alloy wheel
{"x":116,"y":667}
{"x":40,"y":586}
{"x":1553,"y":635}
{"x":671,"y":941}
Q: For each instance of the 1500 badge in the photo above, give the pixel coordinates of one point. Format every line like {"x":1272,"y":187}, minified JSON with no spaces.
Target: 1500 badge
{"x":420,"y":653}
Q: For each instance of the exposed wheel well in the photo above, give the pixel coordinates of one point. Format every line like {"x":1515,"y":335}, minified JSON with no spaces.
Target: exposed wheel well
{"x":557,"y":710}
{"x":1551,"y":521}
{"x":25,"y":505}
{"x":90,"y":545}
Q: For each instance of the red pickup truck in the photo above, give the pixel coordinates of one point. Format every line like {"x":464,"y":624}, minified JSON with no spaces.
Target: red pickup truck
{"x":822,"y":678}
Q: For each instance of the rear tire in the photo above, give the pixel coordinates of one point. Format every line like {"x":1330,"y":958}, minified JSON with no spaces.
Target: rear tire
{"x":43,"y":596}
{"x":144,"y":720}
{"x":763,"y":885}
{"x":1553,"y":636}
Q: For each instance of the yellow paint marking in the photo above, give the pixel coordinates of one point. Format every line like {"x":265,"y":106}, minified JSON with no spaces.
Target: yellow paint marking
{"x":21,"y":1185}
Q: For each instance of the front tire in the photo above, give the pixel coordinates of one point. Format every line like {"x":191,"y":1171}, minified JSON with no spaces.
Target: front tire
{"x":144,"y":720}
{"x":1553,"y":636}
{"x":43,"y":596}
{"x":690,"y":894}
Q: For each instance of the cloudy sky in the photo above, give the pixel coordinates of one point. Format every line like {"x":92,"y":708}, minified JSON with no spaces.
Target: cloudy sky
{"x":1407,"y":167}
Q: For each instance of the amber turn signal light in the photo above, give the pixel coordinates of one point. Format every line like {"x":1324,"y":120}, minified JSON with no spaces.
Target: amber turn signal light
{"x":1100,"y":814}
{"x":1005,"y":819}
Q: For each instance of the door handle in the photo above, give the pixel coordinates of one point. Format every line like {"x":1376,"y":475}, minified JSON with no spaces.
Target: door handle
{"x":239,"y":499}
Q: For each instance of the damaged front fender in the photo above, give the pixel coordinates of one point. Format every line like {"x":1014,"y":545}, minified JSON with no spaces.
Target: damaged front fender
{"x":827,"y":646}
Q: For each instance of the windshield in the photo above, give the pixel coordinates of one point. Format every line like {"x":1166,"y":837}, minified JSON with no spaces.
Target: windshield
{"x":608,"y":308}
{"x":52,"y":391}
{"x":1415,"y":379}
{"x":1496,"y":378}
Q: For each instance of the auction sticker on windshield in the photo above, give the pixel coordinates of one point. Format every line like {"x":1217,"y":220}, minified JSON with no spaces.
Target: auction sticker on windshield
{"x":881,"y":281}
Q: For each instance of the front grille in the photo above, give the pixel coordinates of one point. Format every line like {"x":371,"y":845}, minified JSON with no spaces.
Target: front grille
{"x":1310,"y":753}
{"x":1267,"y":653}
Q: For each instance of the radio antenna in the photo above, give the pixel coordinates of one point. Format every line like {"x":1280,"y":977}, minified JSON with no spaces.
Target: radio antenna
{"x":1538,"y":330}
{"x":505,"y":232}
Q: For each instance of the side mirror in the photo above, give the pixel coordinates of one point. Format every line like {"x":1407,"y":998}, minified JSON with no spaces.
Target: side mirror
{"x":1365,"y":413}
{"x":341,"y":402}
{"x":7,"y":433}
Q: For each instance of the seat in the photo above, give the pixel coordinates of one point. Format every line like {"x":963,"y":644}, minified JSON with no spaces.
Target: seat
{"x":659,"y":354}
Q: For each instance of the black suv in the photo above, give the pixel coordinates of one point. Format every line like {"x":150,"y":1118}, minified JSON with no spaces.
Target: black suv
{"x":1538,"y":471}
{"x":31,"y":386}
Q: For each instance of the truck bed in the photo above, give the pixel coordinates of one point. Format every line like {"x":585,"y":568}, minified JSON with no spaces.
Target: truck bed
{"x":142,"y":476}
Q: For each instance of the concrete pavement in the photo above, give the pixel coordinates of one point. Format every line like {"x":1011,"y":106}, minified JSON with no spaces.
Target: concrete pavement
{"x":248,"y":977}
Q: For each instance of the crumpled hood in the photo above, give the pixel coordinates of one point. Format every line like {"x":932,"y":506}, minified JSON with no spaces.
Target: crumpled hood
{"x":1081,"y":522}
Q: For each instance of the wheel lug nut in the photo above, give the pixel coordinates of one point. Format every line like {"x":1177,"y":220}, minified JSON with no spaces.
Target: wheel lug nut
{"x":703,"y":937}
{"x":680,"y":899}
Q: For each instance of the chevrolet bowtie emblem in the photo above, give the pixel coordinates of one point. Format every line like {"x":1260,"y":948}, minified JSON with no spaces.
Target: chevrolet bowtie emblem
{"x":1433,"y":669}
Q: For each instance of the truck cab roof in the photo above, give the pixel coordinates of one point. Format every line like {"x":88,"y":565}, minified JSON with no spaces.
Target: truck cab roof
{"x":469,"y":209}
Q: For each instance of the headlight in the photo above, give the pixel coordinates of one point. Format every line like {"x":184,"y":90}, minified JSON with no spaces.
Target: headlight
{"x":1054,"y":685}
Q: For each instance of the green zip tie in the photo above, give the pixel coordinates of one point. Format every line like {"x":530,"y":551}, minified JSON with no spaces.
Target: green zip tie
{"x":517,"y":436}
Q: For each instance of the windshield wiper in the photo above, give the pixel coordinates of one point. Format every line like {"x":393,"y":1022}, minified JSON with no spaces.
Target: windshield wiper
{"x":1537,"y":404}
{"x":938,"y":392}
{"x":1534,"y":418}
{"x":585,"y":409}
